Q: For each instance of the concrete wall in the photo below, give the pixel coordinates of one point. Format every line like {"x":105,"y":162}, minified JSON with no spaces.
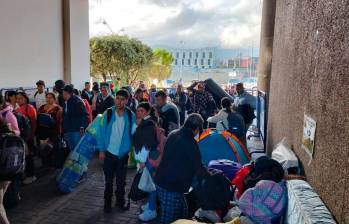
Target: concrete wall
{"x":310,"y":74}
{"x":36,"y":44}
{"x":31,"y":42}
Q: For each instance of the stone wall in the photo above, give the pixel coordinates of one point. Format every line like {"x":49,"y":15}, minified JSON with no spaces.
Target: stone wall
{"x":310,"y":75}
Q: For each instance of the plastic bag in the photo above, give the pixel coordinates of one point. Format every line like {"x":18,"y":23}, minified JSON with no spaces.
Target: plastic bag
{"x":146,"y":183}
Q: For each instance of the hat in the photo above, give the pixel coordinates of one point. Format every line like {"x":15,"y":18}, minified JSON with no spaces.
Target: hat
{"x":40,"y":83}
{"x":68,"y":89}
{"x":264,"y":203}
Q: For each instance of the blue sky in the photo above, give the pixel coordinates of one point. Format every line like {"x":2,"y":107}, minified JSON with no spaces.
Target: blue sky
{"x":198,"y":23}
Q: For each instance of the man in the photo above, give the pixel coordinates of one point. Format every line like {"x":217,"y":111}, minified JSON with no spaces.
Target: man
{"x":104,"y":100}
{"x":58,"y":89}
{"x":114,"y":143}
{"x":152,"y":94}
{"x":75,"y":117}
{"x":139,"y":96}
{"x":245,"y":104}
{"x":40,"y":95}
{"x":180,"y":99}
{"x":168,"y":113}
{"x":203,"y":102}
{"x":87,"y":93}
{"x":181,"y":162}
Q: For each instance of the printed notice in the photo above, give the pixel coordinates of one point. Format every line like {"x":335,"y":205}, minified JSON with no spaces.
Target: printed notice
{"x":309,"y":129}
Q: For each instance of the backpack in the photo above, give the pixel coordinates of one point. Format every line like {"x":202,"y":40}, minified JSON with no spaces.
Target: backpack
{"x":155,"y":156}
{"x":215,"y":192}
{"x":264,"y":168}
{"x":247,"y":112}
{"x":46,"y":120}
{"x":236,"y":125}
{"x":12,"y":156}
{"x":229,"y":168}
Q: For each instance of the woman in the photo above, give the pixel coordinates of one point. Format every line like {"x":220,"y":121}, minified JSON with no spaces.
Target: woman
{"x":227,"y":119}
{"x":146,"y":142}
{"x":49,"y":126}
{"x":29,"y":111}
{"x":4,"y":183}
{"x":87,"y":105}
{"x":11,"y":98}
{"x":6,"y":113}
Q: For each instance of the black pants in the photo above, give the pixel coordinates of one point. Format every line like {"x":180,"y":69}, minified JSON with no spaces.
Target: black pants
{"x":29,"y":159}
{"x":182,"y":117}
{"x":115,"y":167}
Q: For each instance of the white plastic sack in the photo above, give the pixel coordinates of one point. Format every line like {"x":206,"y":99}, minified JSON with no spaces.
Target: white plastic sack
{"x":142,"y":156}
{"x":146,"y":182}
{"x":285,"y":156}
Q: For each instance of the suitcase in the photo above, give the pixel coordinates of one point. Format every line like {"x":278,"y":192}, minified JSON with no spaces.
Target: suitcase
{"x":217,"y":92}
{"x":229,"y":168}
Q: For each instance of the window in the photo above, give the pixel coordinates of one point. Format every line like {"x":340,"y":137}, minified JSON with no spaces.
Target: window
{"x":202,"y":66}
{"x":202,"y":61}
{"x":209,"y":61}
{"x":188,"y":61}
{"x":182,"y":61}
{"x":183,"y":54}
{"x":197,"y":54}
{"x":196,"y":62}
{"x":190,"y":55}
{"x":210,"y":55}
{"x":176,"y":62}
{"x":177,"y":55}
{"x":203,"y":54}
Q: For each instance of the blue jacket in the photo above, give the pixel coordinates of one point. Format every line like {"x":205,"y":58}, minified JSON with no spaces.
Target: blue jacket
{"x":104,"y":134}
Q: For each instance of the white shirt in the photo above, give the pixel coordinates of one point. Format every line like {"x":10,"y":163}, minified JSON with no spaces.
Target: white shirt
{"x":117,"y":130}
{"x":222,"y":116}
{"x":40,"y":99}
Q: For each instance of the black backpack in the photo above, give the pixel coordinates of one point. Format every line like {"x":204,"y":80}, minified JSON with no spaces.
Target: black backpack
{"x":23,"y":125}
{"x":215,"y":192}
{"x":236,"y":124}
{"x":247,"y":112}
{"x":264,"y":168}
{"x":12,"y":156}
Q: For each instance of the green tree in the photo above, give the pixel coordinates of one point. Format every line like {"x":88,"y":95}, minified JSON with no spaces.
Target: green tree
{"x":161,"y":65}
{"x":119,"y":56}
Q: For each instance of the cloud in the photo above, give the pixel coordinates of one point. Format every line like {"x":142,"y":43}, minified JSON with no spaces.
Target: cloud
{"x":199,"y":23}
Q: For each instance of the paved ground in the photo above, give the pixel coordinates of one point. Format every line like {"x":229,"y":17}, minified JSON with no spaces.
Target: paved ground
{"x":42,"y":203}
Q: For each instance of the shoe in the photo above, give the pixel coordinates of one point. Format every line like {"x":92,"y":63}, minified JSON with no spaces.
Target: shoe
{"x":121,"y":206}
{"x":29,"y":180}
{"x":145,"y":207}
{"x":147,"y":215}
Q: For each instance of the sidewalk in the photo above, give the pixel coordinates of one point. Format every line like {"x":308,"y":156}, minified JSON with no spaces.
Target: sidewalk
{"x":42,"y":203}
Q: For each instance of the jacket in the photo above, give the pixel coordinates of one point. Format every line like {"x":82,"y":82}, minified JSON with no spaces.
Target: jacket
{"x":180,"y":100}
{"x":104,"y":135}
{"x":170,"y":117}
{"x":103,"y":104}
{"x":222,"y":116}
{"x":7,"y":114}
{"x":75,"y":115}
{"x":181,"y":161}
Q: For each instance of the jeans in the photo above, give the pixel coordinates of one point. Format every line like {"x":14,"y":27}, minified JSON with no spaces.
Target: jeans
{"x":115,"y":167}
{"x":152,"y":195}
{"x":72,"y":139}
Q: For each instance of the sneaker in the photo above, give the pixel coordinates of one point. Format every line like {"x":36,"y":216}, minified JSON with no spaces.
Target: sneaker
{"x":145,"y":207}
{"x":147,"y":215}
{"x":29,"y":180}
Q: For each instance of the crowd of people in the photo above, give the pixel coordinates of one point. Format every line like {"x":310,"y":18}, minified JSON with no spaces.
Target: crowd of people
{"x":160,"y":126}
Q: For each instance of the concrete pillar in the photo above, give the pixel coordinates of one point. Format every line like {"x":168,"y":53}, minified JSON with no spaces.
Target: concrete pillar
{"x":76,"y":42}
{"x":266,"y":45}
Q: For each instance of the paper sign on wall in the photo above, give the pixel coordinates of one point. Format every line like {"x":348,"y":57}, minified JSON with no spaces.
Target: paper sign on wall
{"x":309,"y":129}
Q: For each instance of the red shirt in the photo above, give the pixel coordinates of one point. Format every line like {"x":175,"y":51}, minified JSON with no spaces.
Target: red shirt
{"x":29,"y":111}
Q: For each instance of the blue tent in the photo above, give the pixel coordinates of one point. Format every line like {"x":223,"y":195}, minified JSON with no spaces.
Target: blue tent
{"x":216,"y":145}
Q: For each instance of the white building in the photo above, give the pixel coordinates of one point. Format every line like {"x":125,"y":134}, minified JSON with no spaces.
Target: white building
{"x":202,"y":58}
{"x":44,"y":39}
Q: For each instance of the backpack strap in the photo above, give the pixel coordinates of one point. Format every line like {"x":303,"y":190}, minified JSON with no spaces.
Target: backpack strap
{"x":129,"y":115}
{"x":109,"y":114}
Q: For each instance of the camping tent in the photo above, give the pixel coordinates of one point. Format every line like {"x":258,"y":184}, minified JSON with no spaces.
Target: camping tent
{"x":215,"y":145}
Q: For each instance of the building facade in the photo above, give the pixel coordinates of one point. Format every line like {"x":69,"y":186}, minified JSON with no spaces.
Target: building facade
{"x":202,"y":58}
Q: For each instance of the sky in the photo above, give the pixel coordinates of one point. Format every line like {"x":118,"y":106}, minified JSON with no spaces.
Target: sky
{"x":180,"y":23}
